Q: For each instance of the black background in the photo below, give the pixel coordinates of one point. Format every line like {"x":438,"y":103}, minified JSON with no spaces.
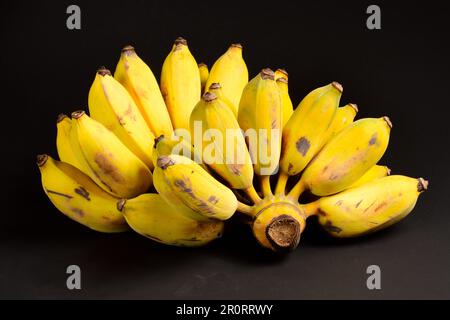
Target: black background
{"x":400,"y":71}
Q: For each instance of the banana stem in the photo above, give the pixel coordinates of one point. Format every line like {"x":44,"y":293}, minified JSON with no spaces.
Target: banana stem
{"x":281,"y":183}
{"x":311,"y":208}
{"x":252,"y":194}
{"x":297,"y":190}
{"x":265,"y":186}
{"x":243,"y":208}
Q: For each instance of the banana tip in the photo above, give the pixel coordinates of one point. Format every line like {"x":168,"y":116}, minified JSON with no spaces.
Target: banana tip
{"x":103,"y":71}
{"x":158,"y":139}
{"x":128,"y":50}
{"x":121,"y":204}
{"x":41,"y":159}
{"x":388,"y":121}
{"x":202,"y":64}
{"x":61,"y":117}
{"x":180,"y":40}
{"x":354,"y":106}
{"x":283,"y":233}
{"x":422,"y":185}
{"x":267,"y":74}
{"x":236,"y":45}
{"x":283,"y":71}
{"x":164,"y":162}
{"x":283,"y":80}
{"x":388,"y":171}
{"x":215,"y":85}
{"x":338,"y":86}
{"x":77,"y":114}
{"x":209,"y":96}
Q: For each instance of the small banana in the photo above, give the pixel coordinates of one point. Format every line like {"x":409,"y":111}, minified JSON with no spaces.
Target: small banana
{"x":346,"y":157}
{"x":372,"y":174}
{"x":216,"y":88}
{"x":150,"y":216}
{"x":180,"y":84}
{"x":182,"y":182}
{"x":204,"y":74}
{"x":111,"y":104}
{"x":344,"y":117}
{"x":281,"y":74}
{"x":78,"y":197}
{"x":63,"y":144}
{"x":367,"y":208}
{"x":231,"y":72}
{"x":227,"y":153}
{"x":106,"y":160}
{"x":135,"y":75}
{"x":286,"y":103}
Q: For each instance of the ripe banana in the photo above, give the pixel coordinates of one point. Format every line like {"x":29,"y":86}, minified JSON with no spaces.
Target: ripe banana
{"x":368,"y":208}
{"x":204,"y":74}
{"x":106,"y":160}
{"x":111,"y":104}
{"x":344,"y":116}
{"x":216,"y":88}
{"x":150,"y":216}
{"x":231,"y":72}
{"x":182,"y":182}
{"x":346,"y":157}
{"x":226,"y":154}
{"x":281,"y":74}
{"x":140,"y":82}
{"x":78,"y":197}
{"x":372,"y":174}
{"x":180,"y":84}
{"x":63,"y":144}
{"x":286,"y":103}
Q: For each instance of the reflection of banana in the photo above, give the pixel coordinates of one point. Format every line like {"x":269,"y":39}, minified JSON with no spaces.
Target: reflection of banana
{"x":286,"y":103}
{"x":344,"y":116}
{"x":182,"y":182}
{"x":372,"y":174}
{"x":204,"y":74}
{"x":140,"y":82}
{"x":231,"y":72}
{"x":368,"y":208}
{"x":216,"y":88}
{"x":227,"y":153}
{"x":63,"y":144}
{"x":78,"y":197}
{"x":111,"y":104}
{"x":260,"y":111}
{"x":150,"y":216}
{"x":106,"y":160}
{"x":346,"y":157}
{"x":180,"y":84}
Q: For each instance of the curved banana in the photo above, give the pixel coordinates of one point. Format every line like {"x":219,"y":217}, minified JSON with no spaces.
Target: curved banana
{"x":346,"y":157}
{"x":368,"y":208}
{"x":78,"y":197}
{"x":231,"y":72}
{"x":182,"y":182}
{"x":372,"y":174}
{"x":111,"y":104}
{"x":344,"y":117}
{"x":216,"y":88}
{"x":180,"y":84}
{"x":286,"y":103}
{"x":106,"y":160}
{"x":227,"y":153}
{"x":63,"y":144}
{"x":135,"y":75}
{"x":204,"y":74}
{"x":150,"y":216}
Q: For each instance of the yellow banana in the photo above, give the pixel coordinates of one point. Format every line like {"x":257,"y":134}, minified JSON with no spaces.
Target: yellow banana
{"x":111,"y":104}
{"x":346,"y":157}
{"x":216,"y":88}
{"x":260,"y":116}
{"x":372,"y":174}
{"x":140,"y":82}
{"x":180,"y":84}
{"x":286,"y":103}
{"x":150,"y":216}
{"x":182,"y":182}
{"x":368,"y":208}
{"x":281,"y":74}
{"x":305,"y":132}
{"x":227,"y":153}
{"x":344,"y":116}
{"x":63,"y":144}
{"x":106,"y":160}
{"x":231,"y":72}
{"x":204,"y":74}
{"x":78,"y":197}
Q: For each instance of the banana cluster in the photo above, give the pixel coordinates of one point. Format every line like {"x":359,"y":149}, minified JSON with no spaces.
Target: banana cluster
{"x":174,"y":160}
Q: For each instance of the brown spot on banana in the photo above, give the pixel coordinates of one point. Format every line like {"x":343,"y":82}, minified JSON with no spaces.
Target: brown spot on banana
{"x":164,"y":162}
{"x":328,"y":226}
{"x":152,"y":237}
{"x":290,"y":166}
{"x":82,"y":192}
{"x":59,"y":194}
{"x":303,"y":145}
{"x":78,"y":212}
{"x":359,"y":202}
{"x":213,"y":200}
{"x":373,"y":139}
{"x":107,"y":167}
{"x":380,"y":206}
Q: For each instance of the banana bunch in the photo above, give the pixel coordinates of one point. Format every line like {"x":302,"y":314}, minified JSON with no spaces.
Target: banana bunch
{"x":173,"y":161}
